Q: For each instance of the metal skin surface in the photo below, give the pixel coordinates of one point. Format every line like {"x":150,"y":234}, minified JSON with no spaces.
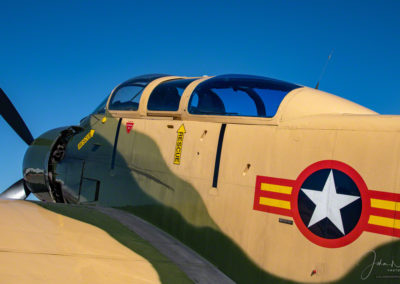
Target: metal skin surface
{"x":40,"y":246}
{"x":251,"y":225}
{"x":17,"y":191}
{"x":37,"y":161}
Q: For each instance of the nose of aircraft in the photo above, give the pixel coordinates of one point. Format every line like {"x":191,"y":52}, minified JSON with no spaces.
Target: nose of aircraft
{"x":43,"y":152}
{"x":36,"y":165}
{"x":40,"y":159}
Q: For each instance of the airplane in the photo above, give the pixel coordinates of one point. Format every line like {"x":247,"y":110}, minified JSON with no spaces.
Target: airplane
{"x":267,"y":180}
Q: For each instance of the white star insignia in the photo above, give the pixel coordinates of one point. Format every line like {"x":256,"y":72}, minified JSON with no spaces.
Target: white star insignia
{"x":328,"y":203}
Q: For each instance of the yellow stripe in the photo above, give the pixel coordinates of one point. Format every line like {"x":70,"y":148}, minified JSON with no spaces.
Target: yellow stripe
{"x":385,"y":204}
{"x":276,"y":188}
{"x":275,"y":202}
{"x":86,"y":139}
{"x":384,"y":221}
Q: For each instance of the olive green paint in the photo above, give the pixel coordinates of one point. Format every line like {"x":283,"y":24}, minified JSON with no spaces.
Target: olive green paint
{"x":151,"y":191}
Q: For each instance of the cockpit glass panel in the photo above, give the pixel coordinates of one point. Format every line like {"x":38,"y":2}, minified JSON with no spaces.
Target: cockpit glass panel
{"x":167,"y":95}
{"x":239,"y":95}
{"x":102,"y":107}
{"x":127,"y":95}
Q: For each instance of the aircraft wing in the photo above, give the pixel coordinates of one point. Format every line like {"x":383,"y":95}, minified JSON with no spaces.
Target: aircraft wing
{"x":59,"y":243}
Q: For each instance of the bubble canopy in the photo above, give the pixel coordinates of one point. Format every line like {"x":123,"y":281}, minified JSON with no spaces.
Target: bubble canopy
{"x":239,"y":95}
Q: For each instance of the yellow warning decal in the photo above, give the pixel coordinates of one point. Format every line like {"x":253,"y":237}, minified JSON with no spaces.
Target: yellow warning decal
{"x":86,"y":139}
{"x":179,"y":144}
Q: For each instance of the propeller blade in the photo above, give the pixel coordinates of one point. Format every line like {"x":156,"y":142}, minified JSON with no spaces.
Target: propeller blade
{"x":11,"y":115}
{"x":17,"y":191}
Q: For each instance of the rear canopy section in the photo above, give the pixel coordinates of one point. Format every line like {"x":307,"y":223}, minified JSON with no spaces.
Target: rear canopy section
{"x":239,"y":95}
{"x":309,"y":102}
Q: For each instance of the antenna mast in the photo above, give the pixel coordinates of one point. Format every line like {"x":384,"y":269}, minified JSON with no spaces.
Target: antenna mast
{"x":323,"y":69}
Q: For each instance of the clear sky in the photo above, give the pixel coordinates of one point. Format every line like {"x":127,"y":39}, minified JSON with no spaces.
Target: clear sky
{"x":59,"y":59}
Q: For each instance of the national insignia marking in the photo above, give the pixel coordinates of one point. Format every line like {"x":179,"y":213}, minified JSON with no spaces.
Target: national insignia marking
{"x":273,"y":195}
{"x":332,"y":209}
{"x":330,"y":204}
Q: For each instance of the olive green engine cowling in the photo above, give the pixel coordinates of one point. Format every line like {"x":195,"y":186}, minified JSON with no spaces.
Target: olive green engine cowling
{"x":39,"y":160}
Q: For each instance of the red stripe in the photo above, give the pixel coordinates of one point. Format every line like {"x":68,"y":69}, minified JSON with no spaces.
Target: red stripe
{"x":280,"y":196}
{"x":275,"y":210}
{"x":383,"y":212}
{"x":278,"y":181}
{"x":382,"y":230}
{"x":384,"y":195}
{"x":257,"y":194}
{"x":275,"y":195}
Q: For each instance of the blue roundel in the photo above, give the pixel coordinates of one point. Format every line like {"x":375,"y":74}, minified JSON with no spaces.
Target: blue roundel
{"x":329,"y":203}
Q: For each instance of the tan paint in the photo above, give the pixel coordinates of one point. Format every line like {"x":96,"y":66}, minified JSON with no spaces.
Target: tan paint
{"x":39,"y":246}
{"x":308,"y":102}
{"x":309,"y":126}
{"x":285,"y":154}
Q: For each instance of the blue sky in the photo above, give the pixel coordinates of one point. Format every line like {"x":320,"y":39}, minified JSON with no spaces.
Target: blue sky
{"x":59,"y":59}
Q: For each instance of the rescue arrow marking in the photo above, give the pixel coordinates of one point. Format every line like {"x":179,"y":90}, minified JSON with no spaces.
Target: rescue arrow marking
{"x":179,"y":143}
{"x":86,"y":139}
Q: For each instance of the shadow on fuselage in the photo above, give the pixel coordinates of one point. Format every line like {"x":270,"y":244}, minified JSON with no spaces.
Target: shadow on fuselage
{"x":174,"y":205}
